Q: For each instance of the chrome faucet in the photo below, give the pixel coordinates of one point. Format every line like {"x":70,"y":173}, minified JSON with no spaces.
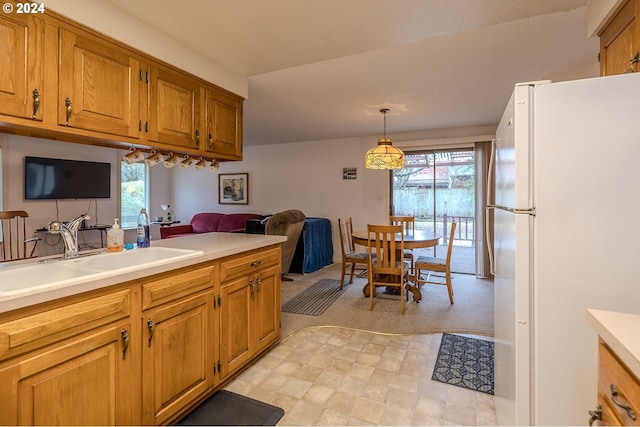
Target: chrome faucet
{"x":69,"y":233}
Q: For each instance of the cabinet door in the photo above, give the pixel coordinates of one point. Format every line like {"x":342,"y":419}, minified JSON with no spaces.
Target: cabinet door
{"x":88,"y":381}
{"x":98,"y":86}
{"x":235,"y":339}
{"x":178,"y":356}
{"x":21,"y":50}
{"x":620,"y":42}
{"x":224,"y":124}
{"x":267,"y":307}
{"x":174,"y":108}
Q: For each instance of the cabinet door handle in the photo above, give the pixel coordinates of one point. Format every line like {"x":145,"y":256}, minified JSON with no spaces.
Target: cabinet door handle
{"x":69,"y":108}
{"x":252,"y":286}
{"x":125,"y":342}
{"x":36,"y":102}
{"x":152,"y":329}
{"x":596,"y":415}
{"x":197,"y":137}
{"x":632,"y":63}
{"x":614,"y":398}
{"x":258,"y":282}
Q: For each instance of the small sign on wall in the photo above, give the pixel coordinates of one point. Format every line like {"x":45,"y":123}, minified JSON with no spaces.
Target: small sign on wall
{"x":348,"y":173}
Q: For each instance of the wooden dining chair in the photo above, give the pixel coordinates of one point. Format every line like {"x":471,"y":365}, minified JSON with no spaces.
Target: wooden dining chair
{"x":386,"y":263}
{"x":349,"y":253}
{"x":439,"y":265}
{"x":408,"y":225}
{"x":15,"y":241}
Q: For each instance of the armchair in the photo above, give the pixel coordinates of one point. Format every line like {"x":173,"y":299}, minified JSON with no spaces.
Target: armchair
{"x":287,"y":223}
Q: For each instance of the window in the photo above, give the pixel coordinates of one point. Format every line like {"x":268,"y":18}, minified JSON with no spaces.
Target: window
{"x":133,"y":192}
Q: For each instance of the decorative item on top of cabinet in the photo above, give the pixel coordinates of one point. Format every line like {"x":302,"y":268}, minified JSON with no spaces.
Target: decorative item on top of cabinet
{"x":21,"y":90}
{"x":620,"y":41}
{"x":98,"y":86}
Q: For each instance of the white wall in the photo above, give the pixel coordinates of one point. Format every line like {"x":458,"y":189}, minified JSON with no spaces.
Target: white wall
{"x":308,"y":176}
{"x":304,"y":175}
{"x":41,"y":212}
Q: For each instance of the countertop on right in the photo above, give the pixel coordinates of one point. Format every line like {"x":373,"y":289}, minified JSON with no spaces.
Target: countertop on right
{"x":621,"y":332}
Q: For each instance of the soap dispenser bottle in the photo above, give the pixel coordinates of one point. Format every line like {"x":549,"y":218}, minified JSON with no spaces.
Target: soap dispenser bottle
{"x":115,"y":237}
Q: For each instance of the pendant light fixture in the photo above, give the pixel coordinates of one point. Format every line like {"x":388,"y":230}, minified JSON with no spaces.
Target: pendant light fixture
{"x":384,"y":155}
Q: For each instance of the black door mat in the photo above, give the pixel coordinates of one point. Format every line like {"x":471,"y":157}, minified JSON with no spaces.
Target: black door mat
{"x":225,"y":408}
{"x":465,"y":362}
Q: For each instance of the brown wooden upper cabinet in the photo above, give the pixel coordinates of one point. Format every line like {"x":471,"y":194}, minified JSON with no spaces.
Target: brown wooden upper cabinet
{"x":98,"y":86}
{"x":21,"y":87}
{"x":223,"y":124}
{"x":174,"y":108}
{"x":620,"y":41}
{"x":104,"y":92}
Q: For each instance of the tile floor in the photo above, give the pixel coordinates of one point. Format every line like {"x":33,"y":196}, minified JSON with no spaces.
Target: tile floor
{"x":341,"y":376}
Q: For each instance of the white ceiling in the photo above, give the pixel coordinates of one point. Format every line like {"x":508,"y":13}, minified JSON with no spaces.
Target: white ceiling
{"x":322,"y":69}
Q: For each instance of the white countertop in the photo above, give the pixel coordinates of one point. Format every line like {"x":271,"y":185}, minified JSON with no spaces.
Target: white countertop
{"x":213,"y":246}
{"x":621,"y":332}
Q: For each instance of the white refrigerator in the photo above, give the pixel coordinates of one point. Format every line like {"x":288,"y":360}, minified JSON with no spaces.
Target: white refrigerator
{"x":566,"y":238}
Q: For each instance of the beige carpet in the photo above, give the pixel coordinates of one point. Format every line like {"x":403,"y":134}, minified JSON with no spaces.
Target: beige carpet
{"x":471,"y":313}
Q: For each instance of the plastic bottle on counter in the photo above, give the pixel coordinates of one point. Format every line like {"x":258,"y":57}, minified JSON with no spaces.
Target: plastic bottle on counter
{"x":115,"y":237}
{"x":143,"y":239}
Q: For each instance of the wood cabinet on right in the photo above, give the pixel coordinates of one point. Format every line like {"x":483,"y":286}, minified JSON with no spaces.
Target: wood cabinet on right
{"x":618,"y":390}
{"x":620,"y":41}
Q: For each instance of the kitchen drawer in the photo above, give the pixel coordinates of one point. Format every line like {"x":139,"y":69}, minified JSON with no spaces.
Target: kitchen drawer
{"x":613,"y":372}
{"x":233,"y":268}
{"x":176,"y":284}
{"x":48,"y":326}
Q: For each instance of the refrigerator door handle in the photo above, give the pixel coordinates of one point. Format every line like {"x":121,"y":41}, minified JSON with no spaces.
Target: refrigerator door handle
{"x":491,"y":183}
{"x":492,"y":270}
{"x":490,"y":197}
{"x":517,"y":211}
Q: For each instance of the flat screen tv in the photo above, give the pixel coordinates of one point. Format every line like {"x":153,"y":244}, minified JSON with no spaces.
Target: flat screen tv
{"x":66,"y":179}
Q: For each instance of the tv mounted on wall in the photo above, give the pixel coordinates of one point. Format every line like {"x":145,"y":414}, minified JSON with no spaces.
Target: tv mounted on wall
{"x":46,"y":178}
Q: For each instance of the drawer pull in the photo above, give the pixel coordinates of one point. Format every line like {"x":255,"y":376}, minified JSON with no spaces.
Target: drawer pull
{"x":255,"y":263}
{"x":614,"y":398}
{"x":152,"y":329}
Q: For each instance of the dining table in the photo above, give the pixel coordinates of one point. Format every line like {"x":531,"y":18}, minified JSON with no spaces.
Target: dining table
{"x":413,"y":239}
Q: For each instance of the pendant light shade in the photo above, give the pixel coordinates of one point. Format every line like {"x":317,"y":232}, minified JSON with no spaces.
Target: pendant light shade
{"x":384,"y":155}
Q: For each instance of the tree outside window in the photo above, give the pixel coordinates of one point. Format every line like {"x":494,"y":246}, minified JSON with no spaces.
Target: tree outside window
{"x":133,"y":192}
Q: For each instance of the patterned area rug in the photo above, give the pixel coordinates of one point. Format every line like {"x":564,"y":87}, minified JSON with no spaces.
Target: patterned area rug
{"x":316,"y":299}
{"x":465,"y":362}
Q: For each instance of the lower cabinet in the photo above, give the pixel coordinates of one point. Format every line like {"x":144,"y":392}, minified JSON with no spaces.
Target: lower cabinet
{"x":141,"y":352}
{"x":618,"y":390}
{"x":177,"y":356}
{"x":251,"y":307}
{"x":85,"y":381}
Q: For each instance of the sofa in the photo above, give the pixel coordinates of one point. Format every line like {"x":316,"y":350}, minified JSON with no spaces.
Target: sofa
{"x":207,"y":222}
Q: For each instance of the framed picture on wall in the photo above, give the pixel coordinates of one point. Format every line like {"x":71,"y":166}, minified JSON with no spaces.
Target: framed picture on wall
{"x":233,"y":189}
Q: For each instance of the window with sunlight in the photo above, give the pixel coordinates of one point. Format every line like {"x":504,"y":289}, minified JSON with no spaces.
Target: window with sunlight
{"x":133,"y":192}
